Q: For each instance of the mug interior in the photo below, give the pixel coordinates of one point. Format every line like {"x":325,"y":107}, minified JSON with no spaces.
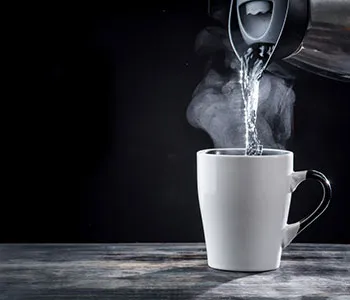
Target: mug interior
{"x":241,"y":152}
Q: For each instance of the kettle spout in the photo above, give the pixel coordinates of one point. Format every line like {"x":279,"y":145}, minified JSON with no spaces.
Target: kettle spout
{"x":281,"y":23}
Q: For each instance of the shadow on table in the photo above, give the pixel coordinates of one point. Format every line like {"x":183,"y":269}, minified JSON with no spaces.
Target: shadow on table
{"x":176,"y":283}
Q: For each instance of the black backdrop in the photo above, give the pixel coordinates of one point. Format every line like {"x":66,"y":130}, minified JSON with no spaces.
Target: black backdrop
{"x":106,"y":153}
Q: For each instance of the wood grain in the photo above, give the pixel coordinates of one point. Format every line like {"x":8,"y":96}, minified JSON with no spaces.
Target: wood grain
{"x":166,"y":271}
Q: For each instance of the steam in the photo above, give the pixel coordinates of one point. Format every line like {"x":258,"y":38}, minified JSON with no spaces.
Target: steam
{"x":217,"y":102}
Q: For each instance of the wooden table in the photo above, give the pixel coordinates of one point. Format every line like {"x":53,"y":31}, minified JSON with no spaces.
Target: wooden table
{"x":166,"y":271}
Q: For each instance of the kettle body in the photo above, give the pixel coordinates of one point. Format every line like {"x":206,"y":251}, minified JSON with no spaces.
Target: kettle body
{"x":313,"y":35}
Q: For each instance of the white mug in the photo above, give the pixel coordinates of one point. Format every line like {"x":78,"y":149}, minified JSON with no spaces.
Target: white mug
{"x":244,"y":203}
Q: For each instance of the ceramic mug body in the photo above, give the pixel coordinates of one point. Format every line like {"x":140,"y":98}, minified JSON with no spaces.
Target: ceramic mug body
{"x":244,"y":203}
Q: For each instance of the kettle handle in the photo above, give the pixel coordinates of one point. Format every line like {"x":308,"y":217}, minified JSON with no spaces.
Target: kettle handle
{"x":292,"y":230}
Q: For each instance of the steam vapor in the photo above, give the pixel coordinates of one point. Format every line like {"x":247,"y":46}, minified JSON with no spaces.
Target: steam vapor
{"x":217,"y":103}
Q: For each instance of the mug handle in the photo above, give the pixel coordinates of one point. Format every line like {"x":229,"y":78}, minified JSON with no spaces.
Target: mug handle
{"x":292,"y":230}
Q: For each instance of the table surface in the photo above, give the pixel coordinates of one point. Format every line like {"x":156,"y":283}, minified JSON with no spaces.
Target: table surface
{"x":166,"y":271}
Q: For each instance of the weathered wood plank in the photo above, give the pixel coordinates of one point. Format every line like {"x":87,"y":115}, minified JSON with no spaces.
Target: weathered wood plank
{"x":166,"y":271}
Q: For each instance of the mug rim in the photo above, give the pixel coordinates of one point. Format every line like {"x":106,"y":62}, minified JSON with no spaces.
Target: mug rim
{"x":271,"y":153}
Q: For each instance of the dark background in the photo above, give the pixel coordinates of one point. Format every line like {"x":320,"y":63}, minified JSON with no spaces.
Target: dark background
{"x":104,"y":152}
